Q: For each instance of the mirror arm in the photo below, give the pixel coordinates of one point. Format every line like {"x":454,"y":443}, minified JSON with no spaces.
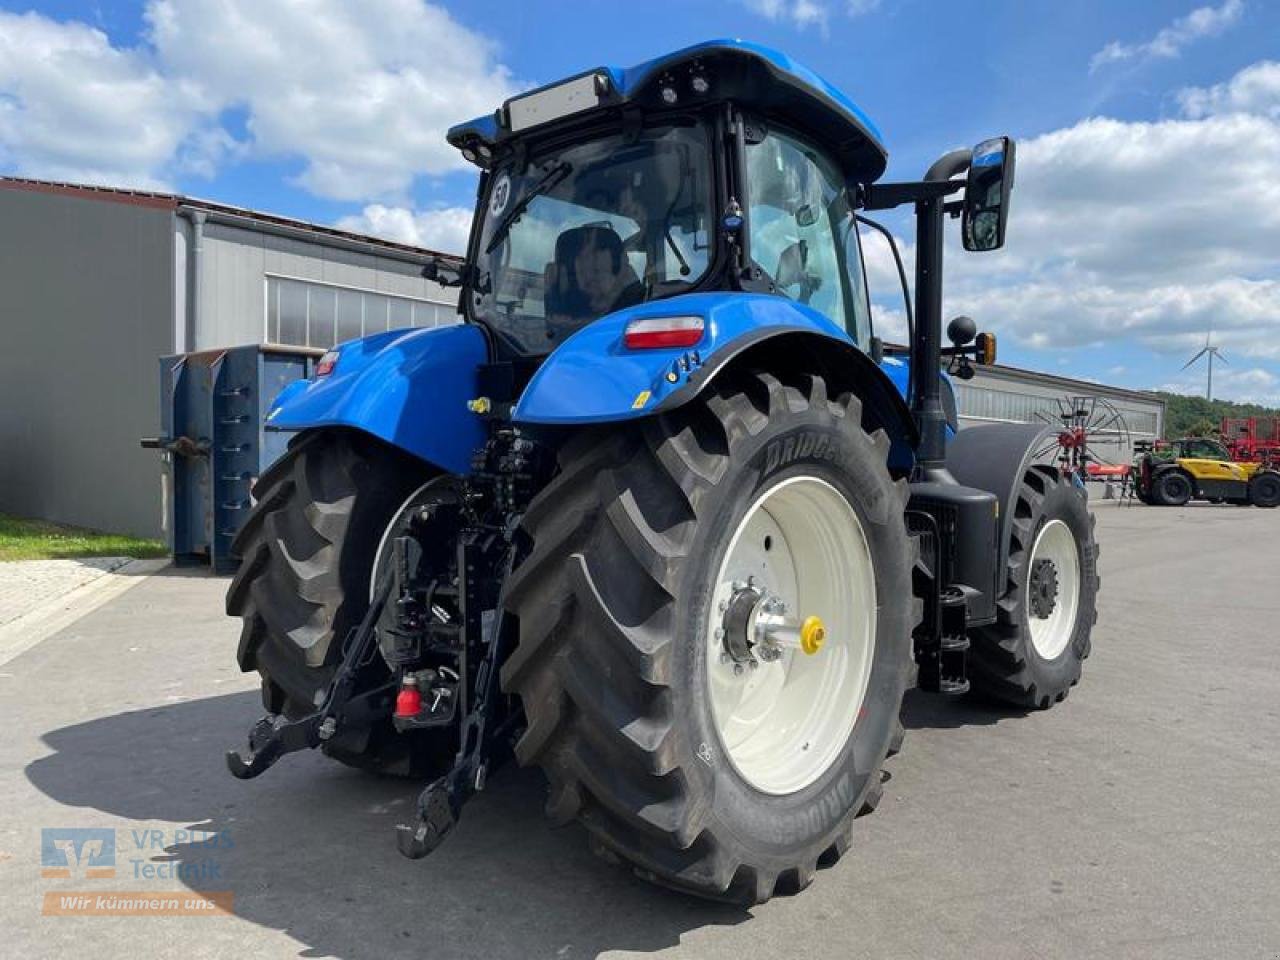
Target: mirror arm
{"x":886,"y":196}
{"x":445,"y":271}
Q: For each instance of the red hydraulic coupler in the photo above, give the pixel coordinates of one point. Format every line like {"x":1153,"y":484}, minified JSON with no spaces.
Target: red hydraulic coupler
{"x":409,"y":699}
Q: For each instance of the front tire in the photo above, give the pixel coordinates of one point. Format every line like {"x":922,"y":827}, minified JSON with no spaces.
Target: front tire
{"x":1171,"y":488}
{"x":1264,"y":489}
{"x":1033,"y":654}
{"x":618,"y":605}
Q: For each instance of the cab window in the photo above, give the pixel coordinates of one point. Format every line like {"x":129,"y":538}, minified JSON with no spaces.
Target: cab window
{"x":1205,"y":450}
{"x":802,"y":231}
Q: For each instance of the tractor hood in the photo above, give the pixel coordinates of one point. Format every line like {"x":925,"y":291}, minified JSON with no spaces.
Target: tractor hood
{"x":755,"y":76}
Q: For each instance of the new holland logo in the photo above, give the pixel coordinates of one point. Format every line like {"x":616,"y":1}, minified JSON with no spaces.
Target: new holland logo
{"x":88,"y":852}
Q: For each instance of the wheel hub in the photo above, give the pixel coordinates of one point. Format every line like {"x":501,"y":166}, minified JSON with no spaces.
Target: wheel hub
{"x":1043,"y":588}
{"x":756,"y":627}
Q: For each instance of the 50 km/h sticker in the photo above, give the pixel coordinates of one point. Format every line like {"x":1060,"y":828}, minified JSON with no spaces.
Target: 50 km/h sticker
{"x":499,"y":196}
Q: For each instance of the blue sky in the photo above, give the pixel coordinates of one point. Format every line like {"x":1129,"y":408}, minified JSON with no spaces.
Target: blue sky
{"x":1148,"y":198}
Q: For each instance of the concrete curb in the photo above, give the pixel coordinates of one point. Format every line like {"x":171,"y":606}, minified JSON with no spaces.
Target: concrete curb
{"x":43,"y":621}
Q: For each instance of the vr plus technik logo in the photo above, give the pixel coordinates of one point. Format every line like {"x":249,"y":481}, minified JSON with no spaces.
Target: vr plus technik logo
{"x":80,"y":852}
{"x":96,"y":853}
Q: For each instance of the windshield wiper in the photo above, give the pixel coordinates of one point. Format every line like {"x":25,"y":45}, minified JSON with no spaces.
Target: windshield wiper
{"x":684,"y":264}
{"x":548,"y":180}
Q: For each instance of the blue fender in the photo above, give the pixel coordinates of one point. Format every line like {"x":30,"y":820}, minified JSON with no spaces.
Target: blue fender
{"x":407,"y":387}
{"x":593,"y":377}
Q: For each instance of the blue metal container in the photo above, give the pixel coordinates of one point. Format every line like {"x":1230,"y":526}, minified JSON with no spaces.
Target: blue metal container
{"x":213,"y":406}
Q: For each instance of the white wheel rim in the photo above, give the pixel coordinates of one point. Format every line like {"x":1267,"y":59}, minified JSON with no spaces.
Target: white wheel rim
{"x":1057,"y":544}
{"x":784,"y":723}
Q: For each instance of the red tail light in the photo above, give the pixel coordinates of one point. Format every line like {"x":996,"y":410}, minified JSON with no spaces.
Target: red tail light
{"x":654,"y":332}
{"x":326,"y":364}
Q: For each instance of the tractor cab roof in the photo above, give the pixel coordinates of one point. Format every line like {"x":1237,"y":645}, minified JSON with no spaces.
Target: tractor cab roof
{"x":750,"y":74}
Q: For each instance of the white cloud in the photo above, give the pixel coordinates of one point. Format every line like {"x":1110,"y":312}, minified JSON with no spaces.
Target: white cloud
{"x":361,"y":93}
{"x":444,"y":230}
{"x":1251,"y":385}
{"x":1191,"y":200}
{"x":1171,"y":40}
{"x":73,"y":107}
{"x":1255,"y":89}
{"x":807,"y":13}
{"x":1119,"y":233}
{"x":799,"y":13}
{"x":1121,"y":236}
{"x":1065,"y":310}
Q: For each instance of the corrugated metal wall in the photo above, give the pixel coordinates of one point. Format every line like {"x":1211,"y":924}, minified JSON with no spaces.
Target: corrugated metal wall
{"x":86,"y":292}
{"x":237,"y":262}
{"x":93,"y":291}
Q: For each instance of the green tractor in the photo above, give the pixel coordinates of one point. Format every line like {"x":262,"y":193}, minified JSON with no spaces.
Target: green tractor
{"x":660,"y":517}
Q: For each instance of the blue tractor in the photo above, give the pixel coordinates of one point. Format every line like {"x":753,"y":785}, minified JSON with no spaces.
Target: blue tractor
{"x":662,"y":516}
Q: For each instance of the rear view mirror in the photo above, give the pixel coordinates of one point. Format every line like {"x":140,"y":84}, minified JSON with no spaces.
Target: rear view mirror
{"x":447,"y":273}
{"x":986,"y":194}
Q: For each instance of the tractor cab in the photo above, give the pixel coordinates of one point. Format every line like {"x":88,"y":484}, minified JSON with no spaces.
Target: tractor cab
{"x":1201,"y":448}
{"x":723,"y":167}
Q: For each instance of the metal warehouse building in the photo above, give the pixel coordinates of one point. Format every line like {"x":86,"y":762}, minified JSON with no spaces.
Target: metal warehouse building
{"x":97,"y":284}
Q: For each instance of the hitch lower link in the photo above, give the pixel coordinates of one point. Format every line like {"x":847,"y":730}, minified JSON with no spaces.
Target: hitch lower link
{"x":275,"y":735}
{"x":440,"y":804}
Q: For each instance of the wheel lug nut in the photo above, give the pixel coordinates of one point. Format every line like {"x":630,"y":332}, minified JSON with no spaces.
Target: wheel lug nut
{"x":737,"y":669}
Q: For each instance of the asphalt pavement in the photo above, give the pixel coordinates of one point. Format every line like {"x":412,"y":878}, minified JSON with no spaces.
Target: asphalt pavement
{"x":1140,"y":818}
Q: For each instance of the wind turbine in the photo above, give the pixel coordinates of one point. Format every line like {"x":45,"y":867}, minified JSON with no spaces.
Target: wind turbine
{"x":1211,"y":351}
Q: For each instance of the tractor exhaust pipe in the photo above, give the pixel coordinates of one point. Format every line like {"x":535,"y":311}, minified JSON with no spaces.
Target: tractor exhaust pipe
{"x":926,"y":351}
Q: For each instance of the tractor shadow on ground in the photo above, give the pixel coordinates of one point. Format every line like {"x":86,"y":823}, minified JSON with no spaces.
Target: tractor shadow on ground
{"x":309,"y":847}
{"x":931,"y":711}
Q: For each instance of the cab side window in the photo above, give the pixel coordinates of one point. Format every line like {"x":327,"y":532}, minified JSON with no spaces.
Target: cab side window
{"x":1205,"y":450}
{"x":802,"y":231}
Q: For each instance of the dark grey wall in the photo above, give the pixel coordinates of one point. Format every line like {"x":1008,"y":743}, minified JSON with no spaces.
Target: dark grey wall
{"x":86,"y":308}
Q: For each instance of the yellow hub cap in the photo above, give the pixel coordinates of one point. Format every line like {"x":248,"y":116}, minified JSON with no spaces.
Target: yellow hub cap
{"x":813,"y":634}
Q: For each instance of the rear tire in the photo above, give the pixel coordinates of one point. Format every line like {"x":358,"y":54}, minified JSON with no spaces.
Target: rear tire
{"x":1027,"y":657}
{"x":307,"y":555}
{"x":1264,"y":489}
{"x":616,"y":601}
